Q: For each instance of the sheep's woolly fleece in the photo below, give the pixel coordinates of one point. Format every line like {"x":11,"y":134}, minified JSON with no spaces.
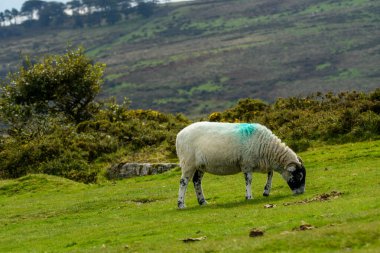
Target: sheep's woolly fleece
{"x":228,"y":148}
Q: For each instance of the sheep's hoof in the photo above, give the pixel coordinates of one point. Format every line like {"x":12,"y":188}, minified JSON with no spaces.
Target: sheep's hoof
{"x":265,"y":194}
{"x":248,"y":197}
{"x":181,"y":205}
{"x":203,"y":202}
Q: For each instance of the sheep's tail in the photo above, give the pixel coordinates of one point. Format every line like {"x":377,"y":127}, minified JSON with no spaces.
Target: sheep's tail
{"x":181,"y":151}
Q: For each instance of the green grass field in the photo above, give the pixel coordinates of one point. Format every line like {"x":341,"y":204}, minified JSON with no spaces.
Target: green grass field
{"x":41,"y":213}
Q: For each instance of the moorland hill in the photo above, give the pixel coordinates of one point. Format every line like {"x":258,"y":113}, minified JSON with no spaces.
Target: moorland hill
{"x":202,"y":56}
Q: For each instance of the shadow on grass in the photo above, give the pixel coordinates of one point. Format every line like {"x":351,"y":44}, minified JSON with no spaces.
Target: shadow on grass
{"x":259,"y":202}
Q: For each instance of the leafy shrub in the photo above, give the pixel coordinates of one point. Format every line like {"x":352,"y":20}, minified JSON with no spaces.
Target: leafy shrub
{"x":343,"y":117}
{"x":74,"y":169}
{"x":65,"y":83}
{"x":71,"y":150}
{"x":18,"y":159}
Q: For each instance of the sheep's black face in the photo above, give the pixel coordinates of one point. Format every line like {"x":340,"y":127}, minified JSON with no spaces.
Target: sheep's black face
{"x":296,"y":178}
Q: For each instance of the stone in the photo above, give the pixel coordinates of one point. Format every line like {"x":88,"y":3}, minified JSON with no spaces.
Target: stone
{"x":128,"y":170}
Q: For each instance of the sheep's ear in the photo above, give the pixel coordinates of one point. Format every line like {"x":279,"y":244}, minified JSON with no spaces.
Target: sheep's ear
{"x":300,"y":160}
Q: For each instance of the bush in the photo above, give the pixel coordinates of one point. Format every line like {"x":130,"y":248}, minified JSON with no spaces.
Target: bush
{"x":17,"y":159}
{"x":336,"y":118}
{"x":74,"y":169}
{"x":298,"y":145}
{"x":72,"y":150}
{"x":65,"y":84}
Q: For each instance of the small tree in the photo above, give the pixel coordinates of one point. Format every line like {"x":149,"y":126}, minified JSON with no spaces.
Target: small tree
{"x":8,"y":16}
{"x":112,"y":16}
{"x":52,"y":14}
{"x":15,"y":13}
{"x":30,"y":6}
{"x":2,"y":18}
{"x":64,"y":84}
{"x":146,"y":8}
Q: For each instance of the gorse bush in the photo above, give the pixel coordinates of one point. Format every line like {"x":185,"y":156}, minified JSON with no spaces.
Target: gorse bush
{"x":334,"y":118}
{"x":54,"y":152}
{"x":135,"y":128}
{"x":72,"y":150}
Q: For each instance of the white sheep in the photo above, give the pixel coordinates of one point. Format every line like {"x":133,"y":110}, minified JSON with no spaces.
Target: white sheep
{"x":230,"y":148}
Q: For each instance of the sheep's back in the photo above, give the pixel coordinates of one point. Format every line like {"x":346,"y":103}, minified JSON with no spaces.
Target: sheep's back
{"x":216,"y":147}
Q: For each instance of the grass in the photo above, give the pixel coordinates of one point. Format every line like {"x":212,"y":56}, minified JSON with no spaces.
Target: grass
{"x":41,"y":213}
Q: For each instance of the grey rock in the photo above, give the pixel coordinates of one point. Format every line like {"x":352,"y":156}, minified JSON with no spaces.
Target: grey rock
{"x":128,"y":170}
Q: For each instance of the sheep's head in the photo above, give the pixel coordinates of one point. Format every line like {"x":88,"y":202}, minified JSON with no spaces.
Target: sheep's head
{"x":295,"y":175}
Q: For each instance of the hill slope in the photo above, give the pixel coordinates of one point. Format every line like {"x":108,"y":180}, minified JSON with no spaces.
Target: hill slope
{"x":43,"y":213}
{"x":201,"y":56}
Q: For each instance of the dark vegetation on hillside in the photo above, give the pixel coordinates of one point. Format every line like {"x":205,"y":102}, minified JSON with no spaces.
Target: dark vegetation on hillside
{"x":83,"y":13}
{"x":203,"y":56}
{"x":55,"y":126}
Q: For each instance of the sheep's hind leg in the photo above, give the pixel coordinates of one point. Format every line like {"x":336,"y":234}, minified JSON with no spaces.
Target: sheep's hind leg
{"x":197,"y":180}
{"x":182,"y":191}
{"x":268,"y":185}
{"x":248,"y":183}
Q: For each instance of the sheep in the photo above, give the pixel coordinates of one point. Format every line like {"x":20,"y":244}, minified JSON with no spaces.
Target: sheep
{"x":230,"y":148}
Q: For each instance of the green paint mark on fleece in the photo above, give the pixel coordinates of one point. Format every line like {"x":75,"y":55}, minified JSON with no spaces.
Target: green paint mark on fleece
{"x":246,"y":130}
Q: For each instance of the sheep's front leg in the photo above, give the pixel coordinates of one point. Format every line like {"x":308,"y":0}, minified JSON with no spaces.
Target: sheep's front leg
{"x":197,"y":180}
{"x":248,"y":183}
{"x":268,"y":185}
{"x":182,"y":191}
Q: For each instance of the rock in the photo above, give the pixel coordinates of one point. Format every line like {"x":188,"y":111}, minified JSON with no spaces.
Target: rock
{"x":128,"y":170}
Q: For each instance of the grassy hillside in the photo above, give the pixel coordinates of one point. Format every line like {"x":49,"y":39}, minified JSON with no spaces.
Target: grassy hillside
{"x":49,"y":214}
{"x":201,"y":56}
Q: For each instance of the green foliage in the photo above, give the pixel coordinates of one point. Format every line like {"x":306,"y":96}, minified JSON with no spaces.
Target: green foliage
{"x":64,"y":84}
{"x":52,"y":146}
{"x":59,"y":151}
{"x":41,"y":103}
{"x":136,"y":128}
{"x":345,"y":117}
{"x":244,"y":111}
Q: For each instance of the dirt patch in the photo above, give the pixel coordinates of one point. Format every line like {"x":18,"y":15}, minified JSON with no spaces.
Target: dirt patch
{"x":256,"y":232}
{"x":186,"y":240}
{"x":269,"y":206}
{"x":304,"y":227}
{"x":320,"y":197}
{"x":140,"y":201}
